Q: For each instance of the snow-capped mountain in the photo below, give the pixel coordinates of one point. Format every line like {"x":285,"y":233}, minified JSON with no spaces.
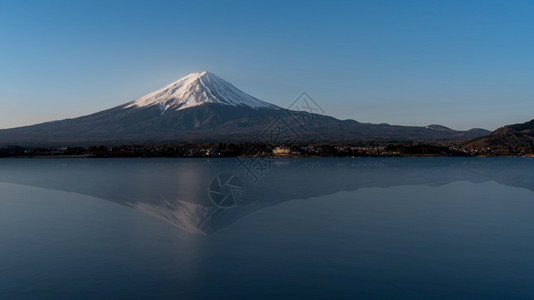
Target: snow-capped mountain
{"x":202,"y":107}
{"x":197,"y":89}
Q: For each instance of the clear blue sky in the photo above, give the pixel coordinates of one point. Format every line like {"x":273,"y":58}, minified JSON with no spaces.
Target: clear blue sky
{"x":461,"y":64}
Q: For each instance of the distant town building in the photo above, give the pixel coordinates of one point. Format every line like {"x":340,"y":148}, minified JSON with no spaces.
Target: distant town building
{"x":210,"y":152}
{"x":281,"y":151}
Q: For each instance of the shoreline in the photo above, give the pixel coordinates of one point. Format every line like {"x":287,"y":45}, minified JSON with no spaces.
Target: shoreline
{"x":262,"y":157}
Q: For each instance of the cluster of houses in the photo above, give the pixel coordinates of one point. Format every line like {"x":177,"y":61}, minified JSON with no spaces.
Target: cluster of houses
{"x":286,"y":151}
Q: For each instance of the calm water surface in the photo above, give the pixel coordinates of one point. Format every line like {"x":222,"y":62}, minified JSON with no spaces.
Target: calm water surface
{"x":410,"y":228}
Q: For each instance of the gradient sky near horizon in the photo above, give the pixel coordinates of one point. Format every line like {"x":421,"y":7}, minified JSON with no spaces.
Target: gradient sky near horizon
{"x":462,"y":64}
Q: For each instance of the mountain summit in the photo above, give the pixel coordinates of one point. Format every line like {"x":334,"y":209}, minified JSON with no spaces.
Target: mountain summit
{"x":197,"y":89}
{"x":203,"y":108}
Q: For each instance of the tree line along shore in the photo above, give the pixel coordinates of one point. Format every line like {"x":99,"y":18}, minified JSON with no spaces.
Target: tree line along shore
{"x":252,"y":150}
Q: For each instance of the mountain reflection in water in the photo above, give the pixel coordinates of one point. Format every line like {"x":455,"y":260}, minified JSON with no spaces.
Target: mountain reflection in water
{"x":179,"y":190}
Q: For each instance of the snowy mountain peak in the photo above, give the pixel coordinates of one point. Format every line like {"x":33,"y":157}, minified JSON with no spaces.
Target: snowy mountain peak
{"x":197,"y":89}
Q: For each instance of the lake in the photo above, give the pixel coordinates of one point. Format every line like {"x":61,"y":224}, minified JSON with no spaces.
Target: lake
{"x":368,"y":228}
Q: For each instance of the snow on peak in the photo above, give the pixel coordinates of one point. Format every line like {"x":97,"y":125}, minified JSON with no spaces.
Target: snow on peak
{"x":197,"y":89}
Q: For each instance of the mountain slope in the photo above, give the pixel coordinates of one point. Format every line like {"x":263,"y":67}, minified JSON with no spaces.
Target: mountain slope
{"x":202,"y":107}
{"x":510,"y":139}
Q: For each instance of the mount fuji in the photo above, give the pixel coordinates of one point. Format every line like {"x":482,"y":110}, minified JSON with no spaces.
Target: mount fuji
{"x":202,"y":107}
{"x":197,"y":89}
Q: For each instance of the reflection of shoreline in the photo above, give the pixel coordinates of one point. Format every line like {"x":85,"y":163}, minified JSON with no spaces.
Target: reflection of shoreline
{"x":177,"y":190}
